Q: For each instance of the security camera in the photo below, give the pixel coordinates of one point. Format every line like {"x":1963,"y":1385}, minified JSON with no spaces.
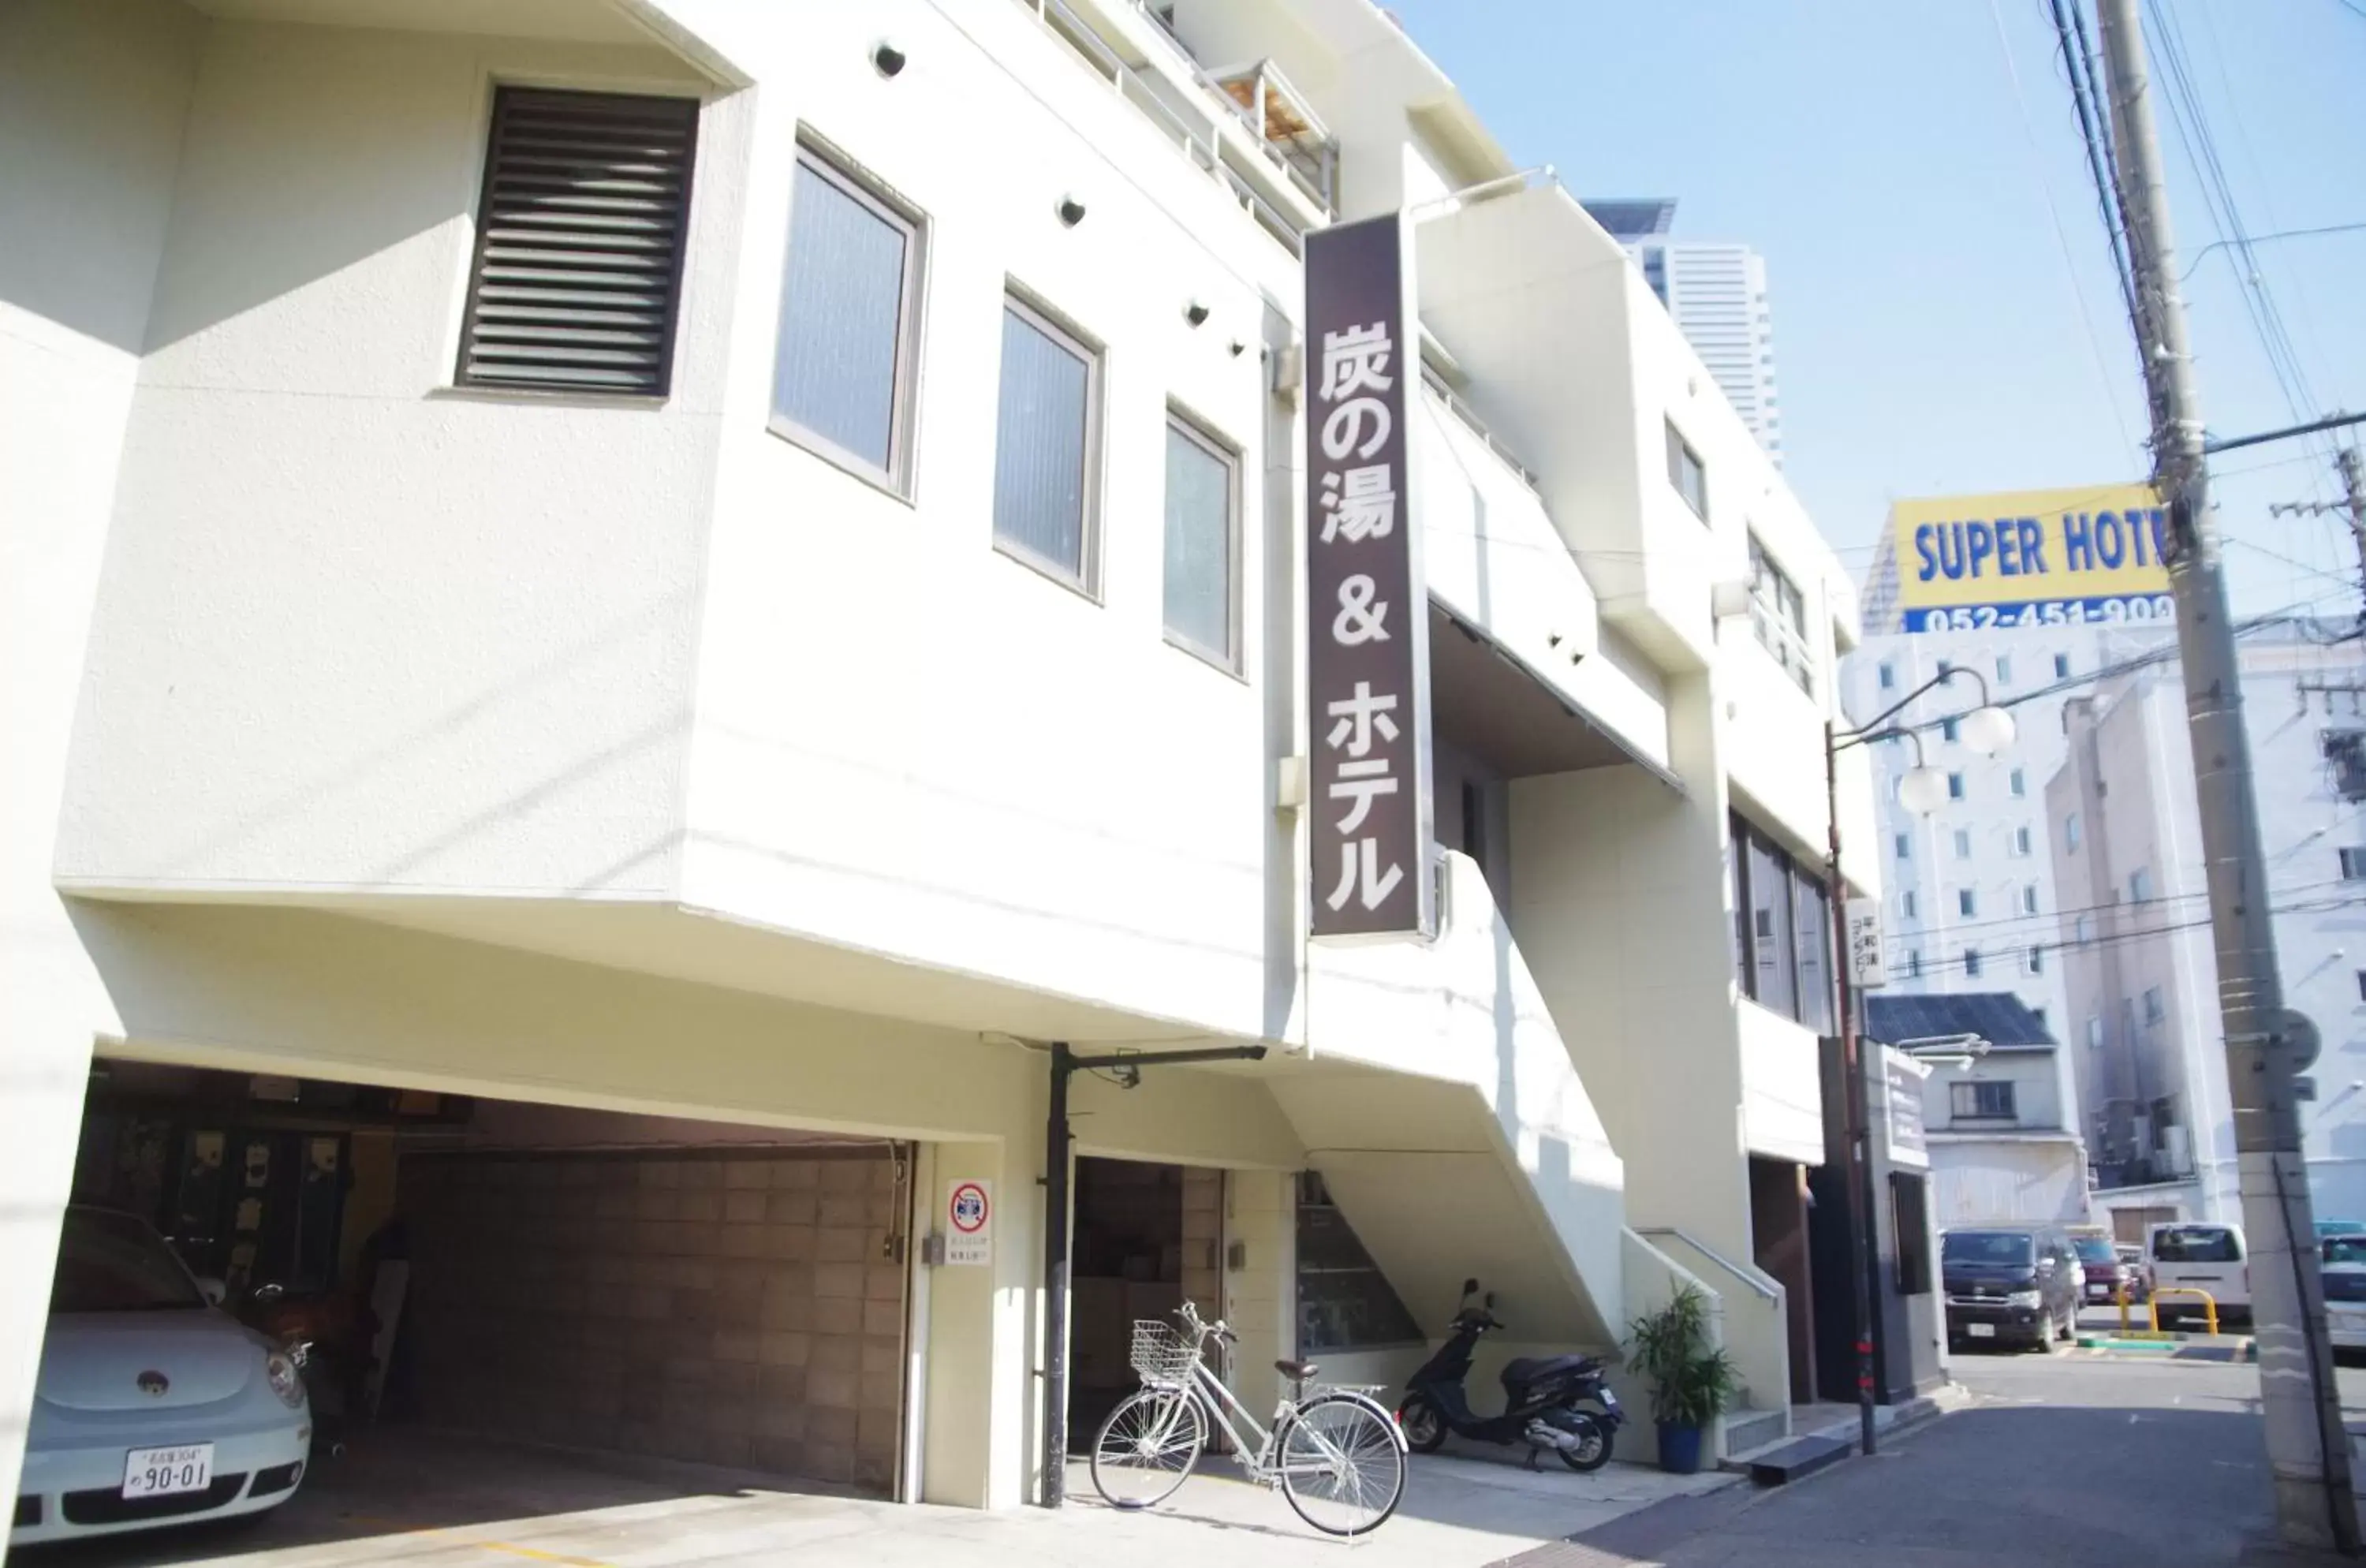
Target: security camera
{"x":1194,"y":312}
{"x":887,"y":60}
{"x":1071,"y":211}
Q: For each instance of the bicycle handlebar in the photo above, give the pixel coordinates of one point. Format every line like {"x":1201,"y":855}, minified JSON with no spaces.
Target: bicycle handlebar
{"x":1189,"y":1312}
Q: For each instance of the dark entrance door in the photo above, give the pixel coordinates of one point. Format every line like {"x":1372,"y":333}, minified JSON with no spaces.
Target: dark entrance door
{"x":1779,"y":1228}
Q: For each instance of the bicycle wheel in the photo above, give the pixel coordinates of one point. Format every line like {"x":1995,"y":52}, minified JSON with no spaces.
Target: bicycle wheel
{"x":1147,"y":1446}
{"x":1342,"y":1468}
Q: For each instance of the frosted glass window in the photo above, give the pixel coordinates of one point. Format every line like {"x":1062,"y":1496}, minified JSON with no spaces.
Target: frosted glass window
{"x":842,"y":377}
{"x":1043,"y":458}
{"x":1200,"y":542}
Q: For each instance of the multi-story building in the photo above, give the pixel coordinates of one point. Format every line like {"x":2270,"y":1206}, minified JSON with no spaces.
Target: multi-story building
{"x":2002,"y":1136}
{"x":626,"y":612}
{"x":2140,"y":974}
{"x":1717,"y":291}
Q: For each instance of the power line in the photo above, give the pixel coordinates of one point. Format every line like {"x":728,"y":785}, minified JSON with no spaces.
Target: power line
{"x":2114,"y":939}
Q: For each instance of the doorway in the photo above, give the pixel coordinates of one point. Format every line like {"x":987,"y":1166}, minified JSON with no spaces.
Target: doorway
{"x":1147,"y":1238}
{"x":1778,"y":1229}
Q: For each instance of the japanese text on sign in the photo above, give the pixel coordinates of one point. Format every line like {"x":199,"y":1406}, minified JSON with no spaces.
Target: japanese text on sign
{"x":969,"y":1223}
{"x":1367,"y":614}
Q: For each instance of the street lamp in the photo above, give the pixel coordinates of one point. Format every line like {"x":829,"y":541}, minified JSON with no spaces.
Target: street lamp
{"x":1986,"y":730}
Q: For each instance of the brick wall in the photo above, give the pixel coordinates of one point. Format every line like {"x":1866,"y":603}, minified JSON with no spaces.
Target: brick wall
{"x":738,"y":1310}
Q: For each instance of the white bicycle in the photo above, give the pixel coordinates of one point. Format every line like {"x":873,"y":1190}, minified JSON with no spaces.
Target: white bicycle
{"x":1337,"y":1453}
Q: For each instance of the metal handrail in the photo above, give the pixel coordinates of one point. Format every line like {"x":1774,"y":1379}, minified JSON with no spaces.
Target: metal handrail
{"x":1477,"y":426}
{"x":1204,"y":148}
{"x":1728,"y":1265}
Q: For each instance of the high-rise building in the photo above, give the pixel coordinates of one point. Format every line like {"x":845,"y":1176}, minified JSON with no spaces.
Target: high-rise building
{"x":2139,"y":973}
{"x":1717,"y":292}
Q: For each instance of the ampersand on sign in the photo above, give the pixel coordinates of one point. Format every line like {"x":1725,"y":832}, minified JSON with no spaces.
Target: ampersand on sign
{"x":1359,"y":620}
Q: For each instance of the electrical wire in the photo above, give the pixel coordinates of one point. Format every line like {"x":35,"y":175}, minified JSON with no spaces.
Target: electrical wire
{"x":1945,"y":965}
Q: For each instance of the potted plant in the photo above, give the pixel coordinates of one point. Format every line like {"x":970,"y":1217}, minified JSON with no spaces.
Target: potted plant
{"x":1691,"y":1380}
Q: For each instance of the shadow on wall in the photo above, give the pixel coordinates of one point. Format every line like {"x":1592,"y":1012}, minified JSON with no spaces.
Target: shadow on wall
{"x":106,"y":88}
{"x":102,"y":89}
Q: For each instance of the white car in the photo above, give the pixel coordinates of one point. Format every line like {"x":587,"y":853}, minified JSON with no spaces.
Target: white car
{"x":153,"y":1407}
{"x":2345,"y":1289}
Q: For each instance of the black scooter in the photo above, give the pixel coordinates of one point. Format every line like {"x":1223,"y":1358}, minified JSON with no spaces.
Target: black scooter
{"x":1540,"y":1397}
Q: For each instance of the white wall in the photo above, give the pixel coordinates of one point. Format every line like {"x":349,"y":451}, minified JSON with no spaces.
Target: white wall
{"x":1061,"y":797}
{"x":356,"y":630}
{"x":1976,"y":1181}
{"x":93,"y":93}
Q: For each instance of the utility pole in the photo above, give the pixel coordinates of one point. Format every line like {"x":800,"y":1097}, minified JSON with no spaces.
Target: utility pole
{"x":2353,"y":485}
{"x":2308,"y":1449}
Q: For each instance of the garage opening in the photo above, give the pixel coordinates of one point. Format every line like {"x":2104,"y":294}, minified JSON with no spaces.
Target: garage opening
{"x":659,"y":1288}
{"x":1147,"y":1238}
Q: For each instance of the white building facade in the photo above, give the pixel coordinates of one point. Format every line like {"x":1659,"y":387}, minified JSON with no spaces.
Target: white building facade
{"x":624,"y":560}
{"x":1717,"y":292}
{"x":2140,"y":972}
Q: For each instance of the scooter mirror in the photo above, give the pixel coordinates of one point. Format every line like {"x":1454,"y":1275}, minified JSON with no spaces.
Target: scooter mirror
{"x":1490,"y":1303}
{"x":1469,"y":1289}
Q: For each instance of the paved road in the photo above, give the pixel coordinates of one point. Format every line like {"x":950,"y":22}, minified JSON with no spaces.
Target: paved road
{"x":2062,"y":1460}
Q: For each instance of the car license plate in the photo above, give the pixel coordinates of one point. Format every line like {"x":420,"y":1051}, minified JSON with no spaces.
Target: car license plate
{"x":1980,"y":1330}
{"x":160,"y":1472}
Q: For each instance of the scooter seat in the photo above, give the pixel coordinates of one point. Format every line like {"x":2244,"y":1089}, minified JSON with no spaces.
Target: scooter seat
{"x":1295,"y":1371}
{"x":1528,"y":1370}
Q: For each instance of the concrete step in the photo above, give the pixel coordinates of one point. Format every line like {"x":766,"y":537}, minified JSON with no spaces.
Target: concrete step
{"x":1796,"y":1458}
{"x":1747,"y":1429}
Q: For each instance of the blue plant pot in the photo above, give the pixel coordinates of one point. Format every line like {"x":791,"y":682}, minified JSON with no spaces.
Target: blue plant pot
{"x":1680,"y":1449}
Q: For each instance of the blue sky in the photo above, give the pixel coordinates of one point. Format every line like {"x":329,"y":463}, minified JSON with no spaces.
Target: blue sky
{"x":1931,"y":335}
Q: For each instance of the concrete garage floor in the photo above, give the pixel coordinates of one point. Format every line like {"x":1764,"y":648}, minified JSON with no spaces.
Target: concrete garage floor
{"x":428,"y":1502}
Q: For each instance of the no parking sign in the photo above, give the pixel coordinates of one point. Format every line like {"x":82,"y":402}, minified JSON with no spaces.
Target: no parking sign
{"x":969,"y":1223}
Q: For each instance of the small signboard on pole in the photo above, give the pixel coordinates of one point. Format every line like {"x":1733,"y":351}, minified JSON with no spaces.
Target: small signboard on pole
{"x":969,"y":1223}
{"x":1867,"y":969}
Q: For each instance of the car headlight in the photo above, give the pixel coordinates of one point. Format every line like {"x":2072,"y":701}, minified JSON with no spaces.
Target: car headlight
{"x":2022,"y":1298}
{"x":287,"y":1379}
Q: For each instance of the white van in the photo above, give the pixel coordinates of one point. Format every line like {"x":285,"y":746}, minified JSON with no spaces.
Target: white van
{"x":2202,"y":1256}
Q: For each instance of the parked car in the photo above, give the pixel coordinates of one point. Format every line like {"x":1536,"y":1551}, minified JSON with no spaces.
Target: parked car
{"x":2010,"y":1285}
{"x":2200,"y":1254}
{"x":2344,"y":1258}
{"x":153,"y":1406}
{"x":2106,"y":1273}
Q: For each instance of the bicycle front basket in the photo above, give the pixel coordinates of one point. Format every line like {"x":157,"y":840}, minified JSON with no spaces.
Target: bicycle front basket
{"x":1163,"y":1356}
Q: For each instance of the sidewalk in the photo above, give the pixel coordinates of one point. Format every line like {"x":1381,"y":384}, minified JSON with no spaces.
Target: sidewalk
{"x":451,"y":1504}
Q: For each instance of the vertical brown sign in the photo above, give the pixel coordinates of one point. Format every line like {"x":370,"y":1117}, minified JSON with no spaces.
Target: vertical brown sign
{"x":1368,"y":612}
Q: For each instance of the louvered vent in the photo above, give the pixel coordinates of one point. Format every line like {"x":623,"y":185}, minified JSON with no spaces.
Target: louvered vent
{"x":580,"y":241}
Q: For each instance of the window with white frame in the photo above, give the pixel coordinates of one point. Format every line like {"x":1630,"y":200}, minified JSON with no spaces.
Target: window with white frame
{"x":2029,"y":898}
{"x":2036,"y":959}
{"x":2018,"y":784}
{"x":2353,"y":864}
{"x":1906,"y":903}
{"x":2140,"y":884}
{"x":1914,"y":964}
{"x":1989,"y":1102}
{"x":2156,"y":1007}
{"x":2021,"y":839}
{"x":1779,"y":613}
{"x":1202,"y":549}
{"x":1947,"y":729}
{"x":1685,"y":472}
{"x":1954,"y":787}
{"x":2083,"y":929}
{"x":1968,"y":901}
{"x":2070,"y":837}
{"x":1782,"y":936}
{"x":1887,"y":675}
{"x":844,"y":367}
{"x":2004,"y":669}
{"x":1904,"y":845}
{"x":1971,"y":963}
{"x":1963,"y":843}
{"x":1047,"y":459}
{"x":2094,"y":1032}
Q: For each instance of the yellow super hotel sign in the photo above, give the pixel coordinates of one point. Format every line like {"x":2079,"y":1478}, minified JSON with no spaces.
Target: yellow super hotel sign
{"x":2030,"y":558}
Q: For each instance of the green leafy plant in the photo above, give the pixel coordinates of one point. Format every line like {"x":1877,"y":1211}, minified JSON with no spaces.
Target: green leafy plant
{"x":1691,"y":1380}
